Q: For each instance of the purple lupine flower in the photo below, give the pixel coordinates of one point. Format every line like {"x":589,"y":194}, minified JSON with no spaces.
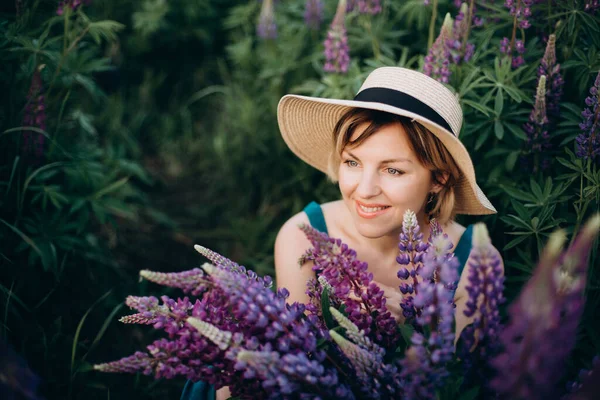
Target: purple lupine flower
{"x":538,"y":138}
{"x":554,"y":81}
{"x":193,"y":282}
{"x":411,"y":251}
{"x":544,"y":319}
{"x":339,"y":266}
{"x":438,"y":58}
{"x":351,"y":5}
{"x":460,"y":48}
{"x":337,"y":52}
{"x":590,"y":6}
{"x":18,"y":380}
{"x":35,"y":116}
{"x":372,"y":7}
{"x":72,"y":4}
{"x":588,"y":141}
{"x":266,"y":28}
{"x":479,"y":340}
{"x":514,"y":50}
{"x":313,"y":13}
{"x":586,"y":379}
{"x":424,"y":366}
{"x":290,"y":373}
{"x":521,"y":11}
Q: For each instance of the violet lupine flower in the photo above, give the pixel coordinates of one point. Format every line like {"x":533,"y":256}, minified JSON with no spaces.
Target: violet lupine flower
{"x":587,"y":386}
{"x":378,"y":380}
{"x":554,"y":80}
{"x":515,"y":52}
{"x":544,"y":319}
{"x":313,"y":13}
{"x":35,"y":116}
{"x":337,"y":52}
{"x":437,"y":60}
{"x":479,"y":340}
{"x":411,"y":251}
{"x":538,"y":138}
{"x":339,"y":266}
{"x":72,"y":4}
{"x":18,"y":380}
{"x":424,"y":367}
{"x":290,"y":374}
{"x":588,"y":141}
{"x":374,"y":379}
{"x":193,"y":282}
{"x":372,"y":7}
{"x":460,"y":48}
{"x":351,"y":5}
{"x":267,"y":28}
{"x":590,"y":6}
{"x":521,"y":11}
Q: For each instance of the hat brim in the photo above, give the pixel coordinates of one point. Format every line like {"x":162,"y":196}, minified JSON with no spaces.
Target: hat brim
{"x":307,"y":124}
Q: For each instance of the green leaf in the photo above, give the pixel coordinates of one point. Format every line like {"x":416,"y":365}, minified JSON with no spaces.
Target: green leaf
{"x":470,"y":394}
{"x":406,"y":330}
{"x":477,"y":106}
{"x":499,"y":103}
{"x":325,"y":304}
{"x":498,"y":129}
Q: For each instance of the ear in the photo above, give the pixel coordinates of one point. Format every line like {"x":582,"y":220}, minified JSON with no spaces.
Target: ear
{"x":438,"y":181}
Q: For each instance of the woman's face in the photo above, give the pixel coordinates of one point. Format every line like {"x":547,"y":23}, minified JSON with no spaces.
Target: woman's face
{"x":380,"y":179}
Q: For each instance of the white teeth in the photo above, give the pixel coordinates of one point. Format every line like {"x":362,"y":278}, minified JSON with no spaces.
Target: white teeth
{"x":371,"y":209}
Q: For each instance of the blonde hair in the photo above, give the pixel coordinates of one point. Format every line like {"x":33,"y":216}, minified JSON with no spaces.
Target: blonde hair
{"x":430,"y":152}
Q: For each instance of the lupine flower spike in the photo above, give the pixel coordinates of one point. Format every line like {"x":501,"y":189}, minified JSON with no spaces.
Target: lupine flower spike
{"x":437,"y":60}
{"x":544,"y":318}
{"x":588,"y":141}
{"x":35,"y":116}
{"x":72,"y":4}
{"x":313,"y":13}
{"x":538,"y":138}
{"x":479,"y":340}
{"x":423,"y":370}
{"x":372,"y":7}
{"x":410,"y":257}
{"x":460,"y":48}
{"x":337,"y":52}
{"x":351,"y":285}
{"x":267,"y":28}
{"x":554,"y":80}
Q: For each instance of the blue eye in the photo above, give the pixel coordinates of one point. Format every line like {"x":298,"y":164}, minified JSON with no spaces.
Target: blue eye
{"x":394,"y":171}
{"x":351,"y":163}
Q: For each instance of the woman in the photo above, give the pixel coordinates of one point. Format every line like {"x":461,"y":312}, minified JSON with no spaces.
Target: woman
{"x":394,"y":147}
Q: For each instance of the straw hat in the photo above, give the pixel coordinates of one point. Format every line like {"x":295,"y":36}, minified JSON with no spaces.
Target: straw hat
{"x":307,"y":123}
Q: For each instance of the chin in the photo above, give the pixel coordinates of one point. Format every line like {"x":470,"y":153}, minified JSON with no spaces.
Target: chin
{"x":376,"y":231}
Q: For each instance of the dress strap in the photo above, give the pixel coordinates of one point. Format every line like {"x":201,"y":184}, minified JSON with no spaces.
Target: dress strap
{"x":316,"y":217}
{"x":463,"y":249}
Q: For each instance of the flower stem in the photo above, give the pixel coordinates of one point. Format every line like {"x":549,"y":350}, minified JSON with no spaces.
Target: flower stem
{"x":432,"y":24}
{"x":468,"y":32}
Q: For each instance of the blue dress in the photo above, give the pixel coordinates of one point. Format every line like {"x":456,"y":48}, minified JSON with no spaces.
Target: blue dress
{"x":204,"y":391}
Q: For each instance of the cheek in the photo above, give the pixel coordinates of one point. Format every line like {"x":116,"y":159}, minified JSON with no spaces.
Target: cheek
{"x":345,"y":182}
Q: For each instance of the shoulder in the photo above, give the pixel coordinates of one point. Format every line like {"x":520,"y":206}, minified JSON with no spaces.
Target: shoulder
{"x":290,"y":232}
{"x":290,"y":245}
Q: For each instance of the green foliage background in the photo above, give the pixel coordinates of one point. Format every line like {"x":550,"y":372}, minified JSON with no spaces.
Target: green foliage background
{"x":161,"y":133}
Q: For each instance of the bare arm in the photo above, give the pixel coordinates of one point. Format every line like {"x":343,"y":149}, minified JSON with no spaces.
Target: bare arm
{"x":290,"y":244}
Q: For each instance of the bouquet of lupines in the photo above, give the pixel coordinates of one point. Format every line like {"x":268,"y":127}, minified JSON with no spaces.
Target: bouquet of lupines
{"x":344,"y":344}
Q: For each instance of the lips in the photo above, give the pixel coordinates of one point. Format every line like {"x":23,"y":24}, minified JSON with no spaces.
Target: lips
{"x":370,"y":210}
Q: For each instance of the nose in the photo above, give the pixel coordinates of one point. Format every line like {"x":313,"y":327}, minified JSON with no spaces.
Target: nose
{"x":368,"y":186}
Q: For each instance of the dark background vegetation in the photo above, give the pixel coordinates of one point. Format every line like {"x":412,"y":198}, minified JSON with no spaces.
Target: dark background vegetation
{"x":160,"y":132}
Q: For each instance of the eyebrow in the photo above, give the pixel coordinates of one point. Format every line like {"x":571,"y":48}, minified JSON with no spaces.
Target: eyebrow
{"x":389,"y":161}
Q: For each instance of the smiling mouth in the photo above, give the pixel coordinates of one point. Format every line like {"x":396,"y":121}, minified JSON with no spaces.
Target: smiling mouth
{"x":370,"y":211}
